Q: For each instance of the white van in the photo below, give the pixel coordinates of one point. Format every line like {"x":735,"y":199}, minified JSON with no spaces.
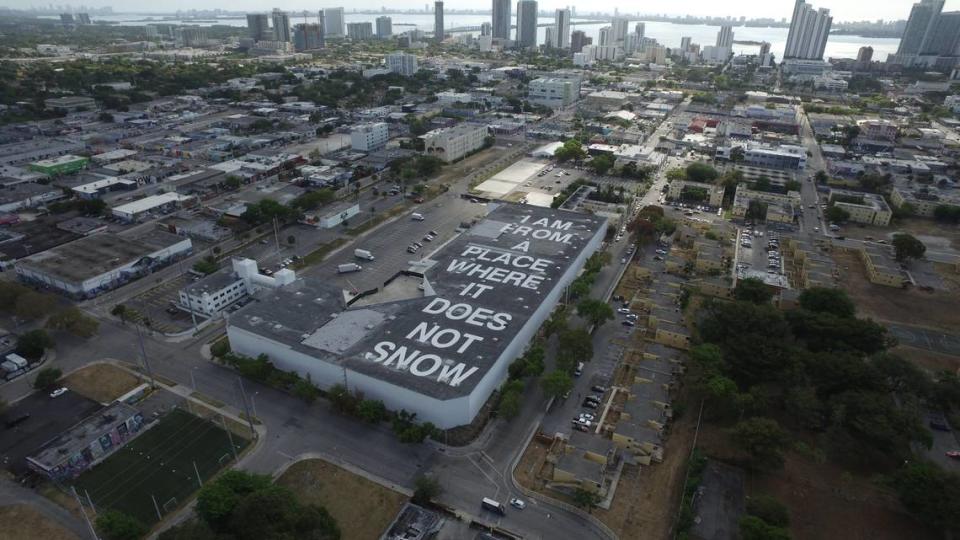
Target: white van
{"x":579,"y":370}
{"x":417,"y":217}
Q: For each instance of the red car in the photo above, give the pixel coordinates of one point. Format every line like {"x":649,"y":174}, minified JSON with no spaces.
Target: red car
{"x":955,"y":454}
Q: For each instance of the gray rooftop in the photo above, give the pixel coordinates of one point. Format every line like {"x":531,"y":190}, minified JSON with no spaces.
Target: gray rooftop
{"x":214,"y":282}
{"x":83,"y":434}
{"x":95,"y":255}
{"x":308,"y":315}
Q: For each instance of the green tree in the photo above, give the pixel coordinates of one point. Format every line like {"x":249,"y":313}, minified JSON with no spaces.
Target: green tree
{"x":827,"y":300}
{"x":510,"y":399}
{"x":33,"y":305}
{"x":586,"y":498}
{"x":930,"y":493}
{"x":768,"y":509}
{"x":372,"y":411}
{"x":576,"y":345}
{"x":31,"y":344}
{"x":835,"y":214}
{"x":821,"y":177}
{"x":120,"y":311}
{"x":342,"y":400}
{"x":557,"y":383}
{"x":764,"y":441}
{"x":752,"y":290}
{"x":72,"y":320}
{"x":676,"y":174}
{"x":602,"y":163}
{"x":207,"y":265}
{"x":306,"y":390}
{"x":701,"y":172}
{"x":273,"y":512}
{"x":571,"y":150}
{"x":115,"y":525}
{"x":217,"y":499}
{"x":595,"y":311}
{"x":754,"y":528}
{"x":426,"y":489}
{"x":47,"y":378}
{"x":907,"y":246}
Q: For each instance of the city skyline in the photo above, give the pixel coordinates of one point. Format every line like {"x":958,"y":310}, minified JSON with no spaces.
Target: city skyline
{"x":842,"y":10}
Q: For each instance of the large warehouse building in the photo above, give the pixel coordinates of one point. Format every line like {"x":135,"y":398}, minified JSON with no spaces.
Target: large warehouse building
{"x":437,"y":338}
{"x":93,"y":264}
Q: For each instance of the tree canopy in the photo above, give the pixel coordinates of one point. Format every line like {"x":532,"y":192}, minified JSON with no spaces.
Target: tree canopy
{"x":752,"y":290}
{"x":906,"y":246}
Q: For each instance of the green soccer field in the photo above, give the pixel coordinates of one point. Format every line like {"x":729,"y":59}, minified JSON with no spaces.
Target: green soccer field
{"x":159,"y":465}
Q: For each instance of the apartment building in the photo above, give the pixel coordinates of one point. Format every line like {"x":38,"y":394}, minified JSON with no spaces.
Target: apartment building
{"x":866,"y":208}
{"x":454,"y":143}
{"x":369,"y":137}
{"x":554,"y":92}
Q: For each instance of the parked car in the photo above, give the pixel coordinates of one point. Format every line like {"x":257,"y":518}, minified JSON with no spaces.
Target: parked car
{"x":598,"y":388}
{"x":623,"y":310}
{"x":629,"y":323}
{"x":953,"y":454}
{"x":939,"y":423}
{"x":590,"y":404}
{"x":58,"y":392}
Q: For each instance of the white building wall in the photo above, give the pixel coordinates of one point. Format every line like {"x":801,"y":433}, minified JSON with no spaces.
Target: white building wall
{"x":444,"y":414}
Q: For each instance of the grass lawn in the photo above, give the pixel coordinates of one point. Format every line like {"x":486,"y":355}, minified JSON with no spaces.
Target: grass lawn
{"x":159,"y":465}
{"x":22,"y":522}
{"x":363,"y":509}
{"x":101,"y":382}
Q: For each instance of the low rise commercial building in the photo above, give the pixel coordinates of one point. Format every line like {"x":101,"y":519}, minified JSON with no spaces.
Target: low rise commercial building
{"x":89,"y":442}
{"x":442,"y":348}
{"x":164,"y":203}
{"x":93,"y":264}
{"x":70,"y":103}
{"x":65,"y":164}
{"x":19,"y":196}
{"x":762,"y":155}
{"x":218,"y":291}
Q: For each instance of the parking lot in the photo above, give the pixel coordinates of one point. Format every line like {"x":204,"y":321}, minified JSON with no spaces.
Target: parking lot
{"x":389,"y":243}
{"x":48,"y":417}
{"x":157,"y":304}
{"x":759,"y":250}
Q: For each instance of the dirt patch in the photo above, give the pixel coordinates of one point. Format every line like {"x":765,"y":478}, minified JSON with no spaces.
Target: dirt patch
{"x":647,"y":497}
{"x":824,"y":499}
{"x":103,"y":383}
{"x":363,"y":509}
{"x":906,"y":306}
{"x":21,"y":522}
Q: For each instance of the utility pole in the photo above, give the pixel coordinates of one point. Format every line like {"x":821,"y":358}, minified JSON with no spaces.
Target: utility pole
{"x":276,"y":234}
{"x":246,"y":407}
{"x":143,"y":353}
{"x":233,"y":448}
{"x":86,"y":518}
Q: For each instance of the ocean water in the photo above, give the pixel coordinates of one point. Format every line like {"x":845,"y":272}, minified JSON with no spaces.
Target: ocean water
{"x":668,"y":34}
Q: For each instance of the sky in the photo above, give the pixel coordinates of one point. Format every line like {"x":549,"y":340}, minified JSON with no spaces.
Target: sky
{"x":842,"y":10}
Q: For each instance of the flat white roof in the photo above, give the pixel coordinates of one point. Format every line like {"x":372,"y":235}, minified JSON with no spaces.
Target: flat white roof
{"x":96,"y":186}
{"x":148,"y":203}
{"x":119,"y":153}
